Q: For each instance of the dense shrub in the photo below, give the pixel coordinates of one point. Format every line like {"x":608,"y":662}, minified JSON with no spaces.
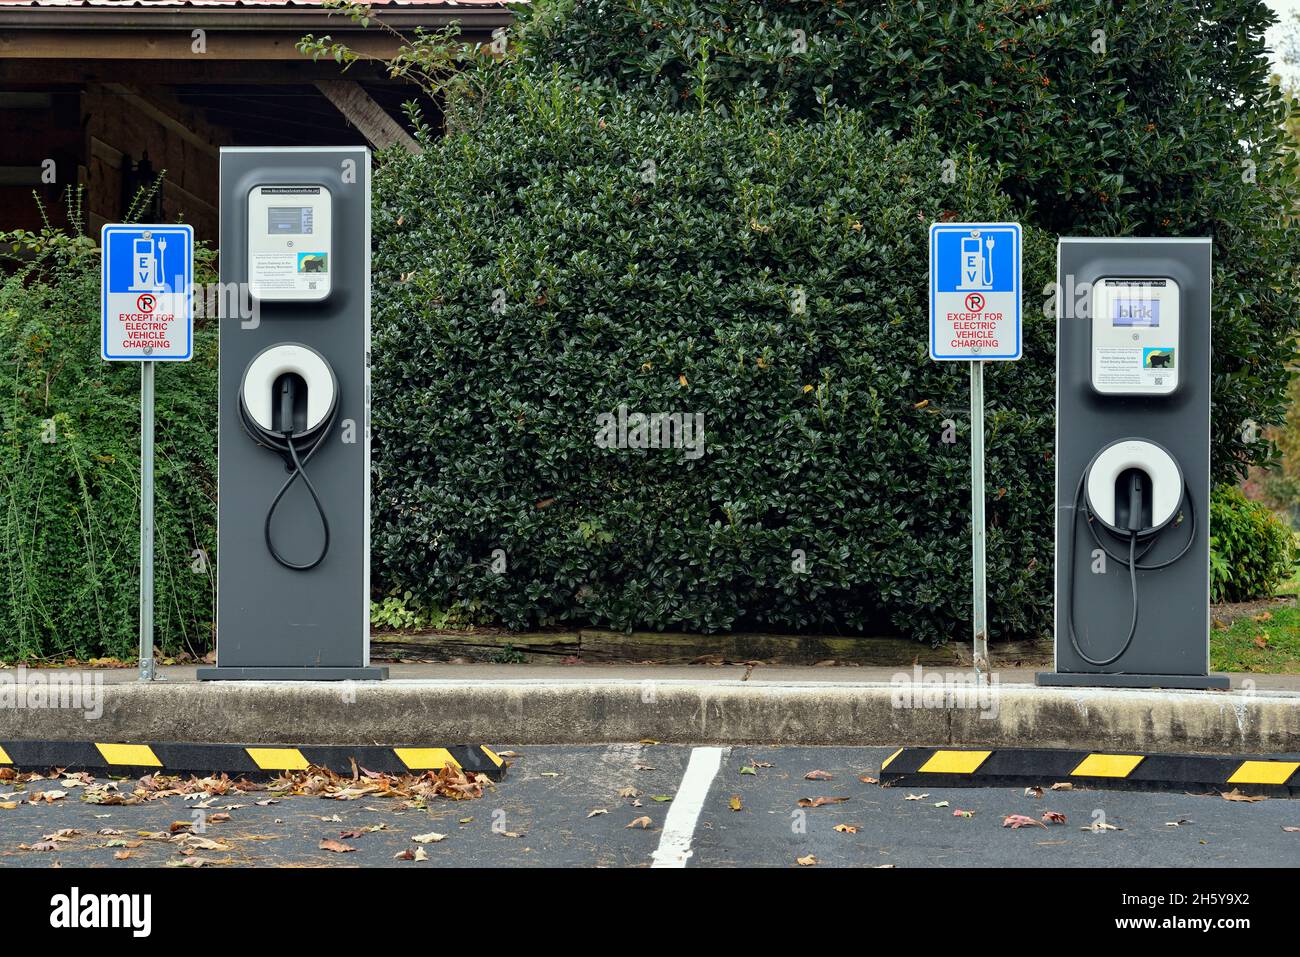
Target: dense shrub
{"x":1112,"y":118}
{"x":70,"y":470}
{"x":1252,"y":551}
{"x":534,"y":272}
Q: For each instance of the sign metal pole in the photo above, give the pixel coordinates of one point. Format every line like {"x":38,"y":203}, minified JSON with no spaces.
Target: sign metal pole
{"x":146,"y":521}
{"x":980,"y":654}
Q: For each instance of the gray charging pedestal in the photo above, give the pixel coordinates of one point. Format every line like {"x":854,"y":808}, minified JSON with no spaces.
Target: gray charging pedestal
{"x":1132,"y":464}
{"x":294,"y":407}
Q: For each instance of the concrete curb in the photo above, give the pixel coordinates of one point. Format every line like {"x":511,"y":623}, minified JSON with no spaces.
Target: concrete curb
{"x":600,"y":710}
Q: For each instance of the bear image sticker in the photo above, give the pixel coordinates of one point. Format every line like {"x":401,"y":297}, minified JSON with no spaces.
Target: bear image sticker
{"x":313,"y":262}
{"x":1158,"y":358}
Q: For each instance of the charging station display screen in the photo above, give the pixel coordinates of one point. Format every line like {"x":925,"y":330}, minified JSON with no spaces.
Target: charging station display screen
{"x":1136,"y":312}
{"x":285,"y":220}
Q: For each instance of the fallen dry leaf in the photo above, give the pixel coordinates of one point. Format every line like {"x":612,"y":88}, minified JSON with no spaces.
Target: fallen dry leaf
{"x":960,"y":813}
{"x":735,"y":803}
{"x":1063,"y":786}
{"x":1236,"y":795}
{"x":808,"y":861}
{"x":1019,"y":820}
{"x":433,"y":837}
{"x":206,"y":844}
{"x":1290,"y":830}
{"x":847,"y":828}
{"x":338,"y":847}
{"x":598,"y":810}
{"x":818,"y":776}
{"x":1034,"y":792}
{"x":641,"y":822}
{"x":821,"y":801}
{"x":867,"y":779}
{"x":1053,"y":817}
{"x":1101,"y":826}
{"x":916,"y":797}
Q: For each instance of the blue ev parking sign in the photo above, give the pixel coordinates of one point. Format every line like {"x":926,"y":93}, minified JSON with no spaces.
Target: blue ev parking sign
{"x":975,"y":291}
{"x":147,"y":273}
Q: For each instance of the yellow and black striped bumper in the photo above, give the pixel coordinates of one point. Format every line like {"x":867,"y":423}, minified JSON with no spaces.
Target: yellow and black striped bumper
{"x":242,"y":759}
{"x":968,"y":767}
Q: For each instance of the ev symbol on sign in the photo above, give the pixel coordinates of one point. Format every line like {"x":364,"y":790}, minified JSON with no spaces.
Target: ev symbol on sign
{"x":975,"y":302}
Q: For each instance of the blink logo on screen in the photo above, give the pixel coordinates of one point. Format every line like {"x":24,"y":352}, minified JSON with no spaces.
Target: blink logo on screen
{"x":1136,"y":312}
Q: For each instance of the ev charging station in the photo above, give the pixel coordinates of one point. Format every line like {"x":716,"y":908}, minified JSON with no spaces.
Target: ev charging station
{"x":1132,"y":591}
{"x":293,"y":523}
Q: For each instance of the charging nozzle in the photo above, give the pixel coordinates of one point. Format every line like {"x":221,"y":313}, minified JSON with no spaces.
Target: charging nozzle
{"x":288,"y":393}
{"x":1135,"y":501}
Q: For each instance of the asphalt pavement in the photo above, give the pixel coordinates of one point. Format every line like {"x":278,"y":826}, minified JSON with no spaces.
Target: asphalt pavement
{"x":642,"y":805}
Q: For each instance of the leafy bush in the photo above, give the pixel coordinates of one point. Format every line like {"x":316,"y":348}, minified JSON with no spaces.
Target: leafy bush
{"x":70,"y":470}
{"x":1109,"y":118}
{"x":1252,"y":551}
{"x":568,"y":254}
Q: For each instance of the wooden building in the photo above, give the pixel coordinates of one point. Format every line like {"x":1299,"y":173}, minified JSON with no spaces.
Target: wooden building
{"x":106,"y":94}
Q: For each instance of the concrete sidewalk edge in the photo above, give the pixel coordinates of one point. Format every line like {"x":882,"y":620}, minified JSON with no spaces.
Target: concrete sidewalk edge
{"x":497,"y":712}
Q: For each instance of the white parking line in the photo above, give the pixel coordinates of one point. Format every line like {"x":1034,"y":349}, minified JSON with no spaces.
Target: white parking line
{"x":679,"y":826}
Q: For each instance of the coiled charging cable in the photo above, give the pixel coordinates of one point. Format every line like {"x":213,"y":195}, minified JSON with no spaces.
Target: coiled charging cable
{"x":285,"y":443}
{"x":1132,"y":563}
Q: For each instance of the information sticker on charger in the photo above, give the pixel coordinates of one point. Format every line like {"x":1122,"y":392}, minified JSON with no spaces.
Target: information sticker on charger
{"x":289,"y":242}
{"x":1135,"y":336}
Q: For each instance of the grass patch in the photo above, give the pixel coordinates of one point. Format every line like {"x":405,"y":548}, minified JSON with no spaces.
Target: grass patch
{"x":1267,"y":641}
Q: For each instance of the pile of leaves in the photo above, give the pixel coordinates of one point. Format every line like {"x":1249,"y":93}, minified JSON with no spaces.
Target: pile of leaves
{"x":417,"y":790}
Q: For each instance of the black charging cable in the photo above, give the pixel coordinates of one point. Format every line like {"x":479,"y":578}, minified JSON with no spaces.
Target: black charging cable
{"x":282,"y":442}
{"x":1133,"y":563}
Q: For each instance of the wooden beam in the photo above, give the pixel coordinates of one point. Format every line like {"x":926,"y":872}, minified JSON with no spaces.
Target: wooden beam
{"x":134,"y":47}
{"x":134,"y":99}
{"x":43,"y":74}
{"x":111,"y":155}
{"x":20,"y":176}
{"x":26,"y":101}
{"x":371,"y":119}
{"x":193,"y":199}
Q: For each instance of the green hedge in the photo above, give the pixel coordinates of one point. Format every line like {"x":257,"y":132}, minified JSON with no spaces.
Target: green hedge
{"x":1110,"y":117}
{"x":1252,"y":551}
{"x":824,"y":424}
{"x":70,"y":471}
